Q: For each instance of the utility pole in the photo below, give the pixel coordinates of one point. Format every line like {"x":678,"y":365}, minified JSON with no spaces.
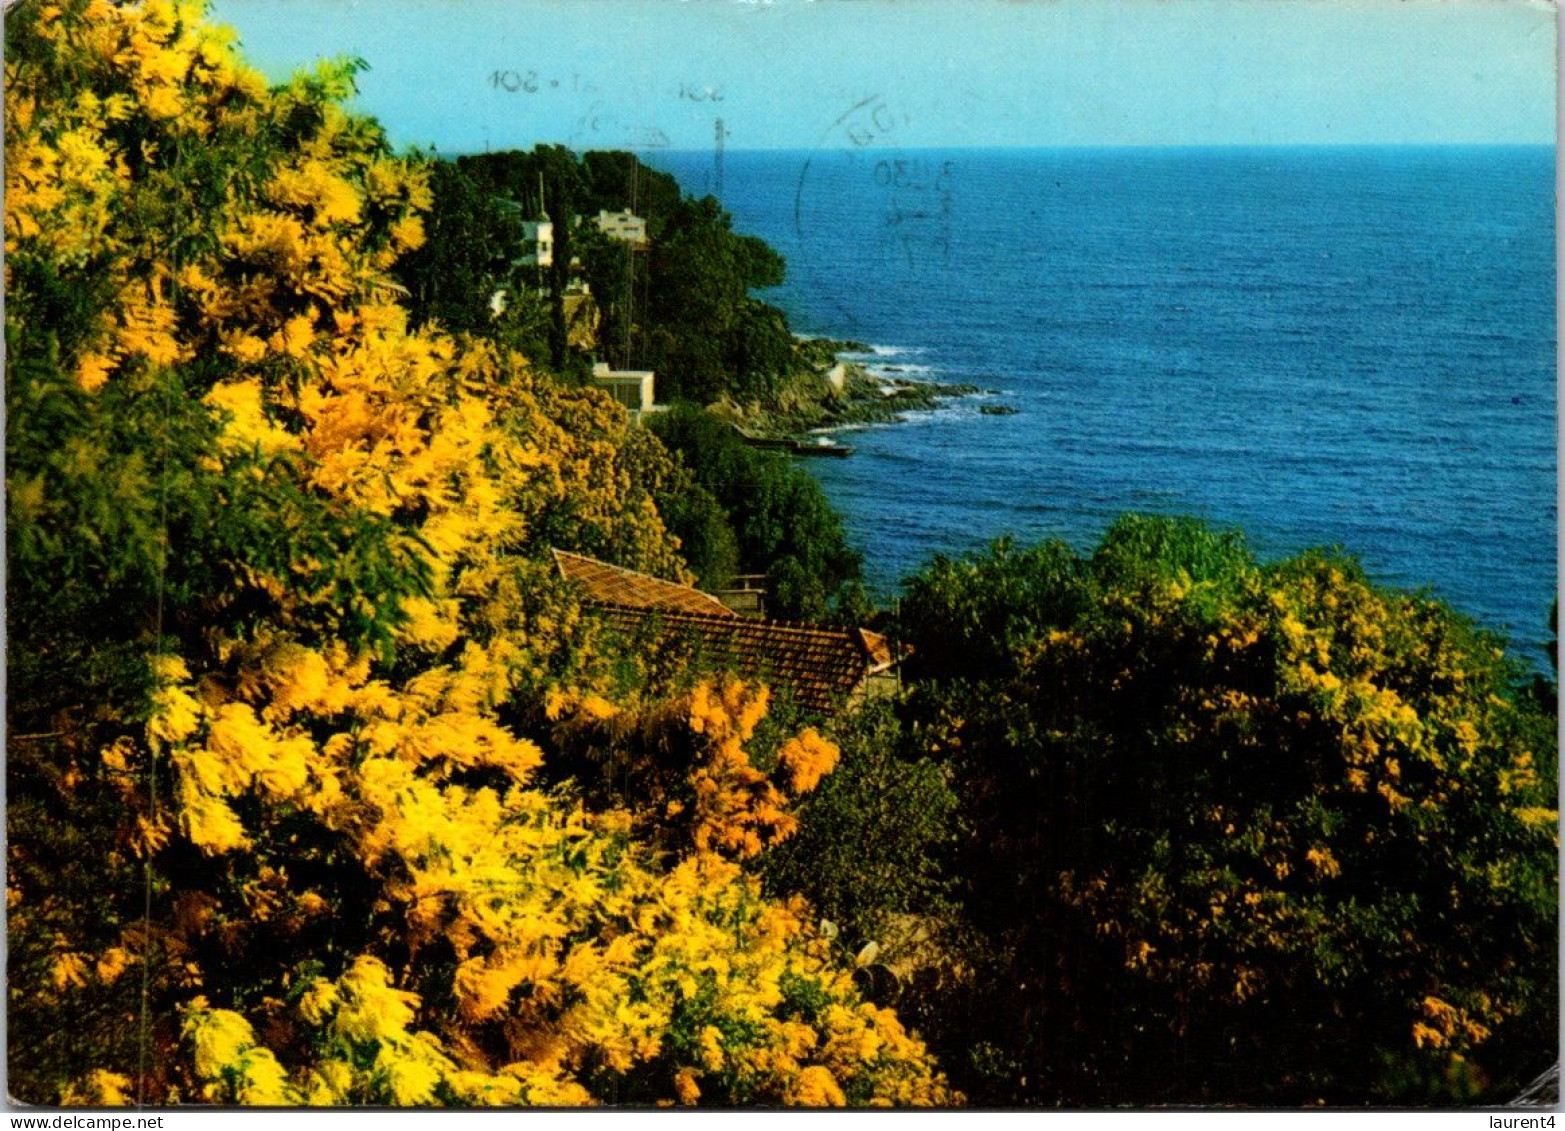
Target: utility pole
{"x":630,"y":266}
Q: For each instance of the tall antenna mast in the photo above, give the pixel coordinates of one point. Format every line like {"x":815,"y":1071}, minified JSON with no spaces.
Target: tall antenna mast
{"x":630,"y":264}
{"x":717,"y":159}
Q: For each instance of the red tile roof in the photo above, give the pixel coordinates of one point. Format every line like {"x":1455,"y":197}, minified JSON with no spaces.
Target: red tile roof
{"x":605,"y":584}
{"x":877,"y":648}
{"x":817,"y":665}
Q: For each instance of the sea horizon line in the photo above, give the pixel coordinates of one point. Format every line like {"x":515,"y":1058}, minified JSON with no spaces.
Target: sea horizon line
{"x":648,"y":152}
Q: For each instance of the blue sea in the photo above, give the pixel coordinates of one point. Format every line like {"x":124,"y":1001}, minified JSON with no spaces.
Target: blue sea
{"x":1346,"y":347}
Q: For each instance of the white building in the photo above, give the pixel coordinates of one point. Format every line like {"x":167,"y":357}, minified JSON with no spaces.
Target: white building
{"x":625,"y":226}
{"x":629,"y":387}
{"x":539,"y":235}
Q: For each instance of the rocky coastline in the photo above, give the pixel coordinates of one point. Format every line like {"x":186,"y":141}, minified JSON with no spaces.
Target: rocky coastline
{"x":827,"y":392}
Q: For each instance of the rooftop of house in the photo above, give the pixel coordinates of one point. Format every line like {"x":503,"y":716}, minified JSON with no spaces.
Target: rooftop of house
{"x":816,"y":665}
{"x":604,"y":584}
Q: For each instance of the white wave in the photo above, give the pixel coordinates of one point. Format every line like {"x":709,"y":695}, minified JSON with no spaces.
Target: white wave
{"x":910,"y":371}
{"x":888,"y":351}
{"x":945,"y":412}
{"x":941,"y":415}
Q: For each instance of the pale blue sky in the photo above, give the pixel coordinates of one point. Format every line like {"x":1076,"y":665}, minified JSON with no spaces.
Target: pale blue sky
{"x":628,"y":73}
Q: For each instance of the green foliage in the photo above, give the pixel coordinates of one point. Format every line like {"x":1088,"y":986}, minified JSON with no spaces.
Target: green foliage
{"x":472,"y":239}
{"x":779,"y":515}
{"x":704,"y":333}
{"x":979,"y":611}
{"x":682,"y":308}
{"x":1245,"y":827}
{"x":114,"y":501}
{"x":872,"y":836}
{"x":280,"y":594}
{"x":706,"y":541}
{"x":694,"y":323}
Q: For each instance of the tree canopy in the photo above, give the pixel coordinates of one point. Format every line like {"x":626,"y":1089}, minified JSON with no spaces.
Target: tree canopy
{"x":782,"y":524}
{"x":323,"y":787}
{"x":1248,"y":833}
{"x":683,"y":307}
{"x":281,"y":607}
